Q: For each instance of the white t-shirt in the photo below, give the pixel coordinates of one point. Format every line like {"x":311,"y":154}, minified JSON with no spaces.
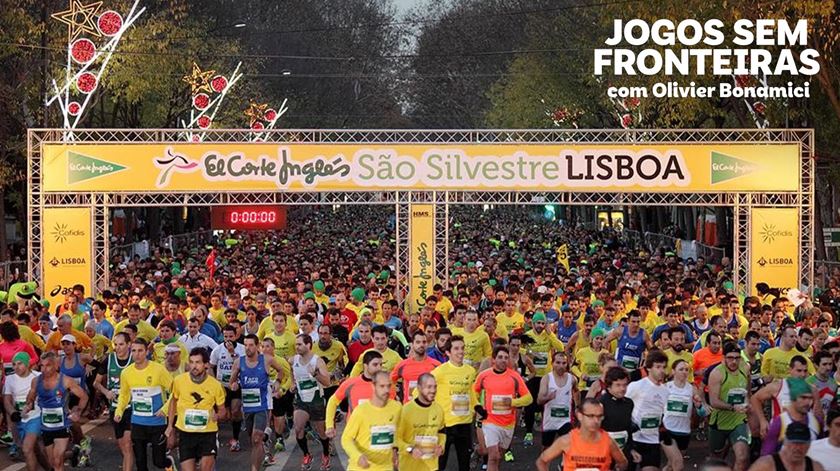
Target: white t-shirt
{"x":18,"y":388}
{"x":649,"y":402}
{"x":222,"y":360}
{"x":826,"y":454}
{"x":679,"y":407}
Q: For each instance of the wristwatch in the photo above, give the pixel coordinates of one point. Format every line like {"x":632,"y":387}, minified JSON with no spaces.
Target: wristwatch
{"x":409,"y":449}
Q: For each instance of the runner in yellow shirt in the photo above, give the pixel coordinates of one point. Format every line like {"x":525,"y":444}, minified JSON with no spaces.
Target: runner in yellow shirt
{"x":477,"y":342}
{"x":198,"y":402}
{"x":419,"y":438}
{"x":370,"y":435}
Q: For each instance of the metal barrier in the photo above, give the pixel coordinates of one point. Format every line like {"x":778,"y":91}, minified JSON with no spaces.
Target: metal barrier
{"x":12,"y":272}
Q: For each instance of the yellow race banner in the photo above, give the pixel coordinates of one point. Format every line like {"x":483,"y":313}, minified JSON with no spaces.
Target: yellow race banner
{"x":774,"y":251}
{"x":421,"y":227}
{"x":639,"y":168}
{"x":67,"y":252}
{"x":563,"y":256}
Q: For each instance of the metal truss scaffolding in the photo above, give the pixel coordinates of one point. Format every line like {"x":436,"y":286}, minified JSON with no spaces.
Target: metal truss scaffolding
{"x":101,"y":203}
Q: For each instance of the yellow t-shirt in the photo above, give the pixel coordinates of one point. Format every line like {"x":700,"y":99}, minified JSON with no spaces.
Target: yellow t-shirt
{"x":101,"y":346}
{"x":284,"y":344}
{"x":455,"y":393}
{"x":506,"y":324}
{"x":331,"y":356}
{"x":586,"y":368}
{"x":196,"y":403}
{"x":390,"y":359}
{"x":286,"y":379}
{"x":776,"y":363}
{"x":267,"y":326}
{"x":420,"y":427}
{"x":371,"y":431}
{"x":144,"y":330}
{"x":476,"y":347}
{"x":542,"y":350}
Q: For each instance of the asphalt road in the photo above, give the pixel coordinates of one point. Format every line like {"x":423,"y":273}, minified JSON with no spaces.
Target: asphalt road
{"x":106,"y":456}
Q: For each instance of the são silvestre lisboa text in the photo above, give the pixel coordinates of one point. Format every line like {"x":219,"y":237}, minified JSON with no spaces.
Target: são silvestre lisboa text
{"x":762,"y":48}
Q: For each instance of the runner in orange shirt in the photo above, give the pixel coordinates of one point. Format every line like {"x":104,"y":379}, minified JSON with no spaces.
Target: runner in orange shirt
{"x":707,"y":356}
{"x":410,"y":369}
{"x":356,"y":390}
{"x":504,"y":390}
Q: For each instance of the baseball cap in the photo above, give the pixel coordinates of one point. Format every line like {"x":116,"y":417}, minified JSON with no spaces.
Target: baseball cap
{"x":68,"y":338}
{"x":798,"y":387}
{"x":797,"y":432}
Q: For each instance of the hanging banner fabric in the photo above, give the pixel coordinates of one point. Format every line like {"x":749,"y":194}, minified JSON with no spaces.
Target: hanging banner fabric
{"x":774,"y":248}
{"x":198,"y":167}
{"x":67,"y":252}
{"x":422,"y":253}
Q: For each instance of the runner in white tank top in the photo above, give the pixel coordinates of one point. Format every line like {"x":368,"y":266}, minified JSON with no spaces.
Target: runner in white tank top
{"x":556,"y":397}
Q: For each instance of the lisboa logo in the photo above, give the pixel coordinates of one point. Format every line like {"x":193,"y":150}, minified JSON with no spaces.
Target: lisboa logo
{"x":769,"y":233}
{"x":173,"y":162}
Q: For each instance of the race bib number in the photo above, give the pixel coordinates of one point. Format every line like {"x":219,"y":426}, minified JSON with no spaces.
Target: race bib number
{"x":251,"y":397}
{"x":382,"y":437}
{"x":540,"y":359}
{"x":411,"y":386}
{"x":427,"y":444}
{"x":677,"y":407}
{"x":8,"y":369}
{"x":736,"y":396}
{"x":561,"y":412}
{"x":226,"y":378}
{"x":52,"y":418}
{"x":630,"y":363}
{"x":650,"y":422}
{"x":196,"y":420}
{"x":501,"y":404}
{"x":141,"y":401}
{"x":460,"y":405}
{"x":619,"y":437}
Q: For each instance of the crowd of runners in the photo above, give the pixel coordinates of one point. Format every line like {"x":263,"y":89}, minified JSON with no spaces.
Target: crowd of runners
{"x":621,"y":362}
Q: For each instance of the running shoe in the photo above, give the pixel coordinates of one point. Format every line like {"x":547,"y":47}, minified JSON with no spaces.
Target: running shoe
{"x":85,"y":444}
{"x":6,"y":439}
{"x":325,"y":463}
{"x":234,"y":445}
{"x":508,"y":456}
{"x":74,"y":459}
{"x":280,"y":444}
{"x":171,"y":466}
{"x":14,"y":452}
{"x":306,"y":464}
{"x":269,"y":459}
{"x":529,"y":439}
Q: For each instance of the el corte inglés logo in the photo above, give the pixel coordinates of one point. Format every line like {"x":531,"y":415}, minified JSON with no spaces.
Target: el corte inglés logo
{"x":725,"y":167}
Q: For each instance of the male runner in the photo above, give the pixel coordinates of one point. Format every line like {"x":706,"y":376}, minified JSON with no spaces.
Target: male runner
{"x":310,"y":376}
{"x":457,"y":398}
{"x":370,"y":436}
{"x":108,"y":384}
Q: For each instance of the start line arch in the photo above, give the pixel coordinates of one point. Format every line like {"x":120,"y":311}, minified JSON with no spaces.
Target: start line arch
{"x":766,"y":176}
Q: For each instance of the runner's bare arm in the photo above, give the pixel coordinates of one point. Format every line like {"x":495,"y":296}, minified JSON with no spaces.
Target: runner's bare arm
{"x":560,"y":446}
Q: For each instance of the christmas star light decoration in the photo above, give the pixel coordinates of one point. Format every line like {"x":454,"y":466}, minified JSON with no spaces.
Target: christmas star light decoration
{"x":86,"y":59}
{"x":262,"y":118}
{"x":207,"y":92}
{"x":256,"y":112}
{"x":79,"y":19}
{"x":199,"y":80}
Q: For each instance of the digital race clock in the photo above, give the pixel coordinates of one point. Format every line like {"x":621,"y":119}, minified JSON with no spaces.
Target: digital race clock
{"x":248,"y":217}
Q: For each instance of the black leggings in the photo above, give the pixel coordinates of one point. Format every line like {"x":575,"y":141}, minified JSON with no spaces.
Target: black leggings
{"x":144,"y":435}
{"x":461,"y":437}
{"x":531,"y":409}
